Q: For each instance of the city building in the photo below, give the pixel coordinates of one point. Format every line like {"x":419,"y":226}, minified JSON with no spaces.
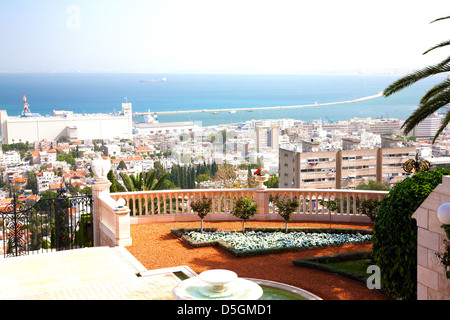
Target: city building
{"x":343,"y":168}
{"x":428,"y":126}
{"x":267,"y":138}
{"x":165,"y":128}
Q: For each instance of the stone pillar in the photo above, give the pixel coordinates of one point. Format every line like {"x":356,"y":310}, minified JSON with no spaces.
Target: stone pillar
{"x":123,"y":234}
{"x":262,"y":200}
{"x":99,"y":188}
{"x":100,"y":167}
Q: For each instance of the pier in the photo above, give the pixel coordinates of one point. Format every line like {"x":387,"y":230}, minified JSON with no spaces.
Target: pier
{"x":264,"y":108}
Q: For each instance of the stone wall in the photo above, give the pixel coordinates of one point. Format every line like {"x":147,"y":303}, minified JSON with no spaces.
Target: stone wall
{"x":432,"y":283}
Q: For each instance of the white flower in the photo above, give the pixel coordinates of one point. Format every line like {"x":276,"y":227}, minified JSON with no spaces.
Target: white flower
{"x":271,"y":240}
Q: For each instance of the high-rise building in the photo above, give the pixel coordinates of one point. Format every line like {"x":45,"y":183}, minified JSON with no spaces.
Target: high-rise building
{"x":267,"y":138}
{"x":428,"y":126}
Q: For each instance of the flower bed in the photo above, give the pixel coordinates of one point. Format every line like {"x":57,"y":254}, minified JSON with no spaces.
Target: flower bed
{"x":258,"y":242}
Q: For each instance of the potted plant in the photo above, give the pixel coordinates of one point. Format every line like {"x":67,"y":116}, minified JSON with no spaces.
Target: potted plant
{"x":261,"y":178}
{"x":202,"y":208}
{"x":286,"y":206}
{"x":243,"y":209}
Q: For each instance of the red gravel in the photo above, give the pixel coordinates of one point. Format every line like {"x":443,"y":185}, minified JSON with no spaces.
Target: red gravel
{"x":155,"y":247}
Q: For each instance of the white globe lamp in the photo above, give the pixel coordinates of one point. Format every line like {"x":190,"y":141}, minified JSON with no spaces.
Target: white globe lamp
{"x":443,"y":214}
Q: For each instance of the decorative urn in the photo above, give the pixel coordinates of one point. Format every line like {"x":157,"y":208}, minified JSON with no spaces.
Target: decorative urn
{"x":100,"y":167}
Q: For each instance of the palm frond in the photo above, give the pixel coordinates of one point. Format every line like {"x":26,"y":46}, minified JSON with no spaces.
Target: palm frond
{"x":439,"y":45}
{"x":425,"y":110}
{"x":149,"y":179}
{"x":442,"y":86}
{"x":412,"y":78}
{"x":160,"y":183}
{"x":127,"y":182}
{"x":439,"y":19}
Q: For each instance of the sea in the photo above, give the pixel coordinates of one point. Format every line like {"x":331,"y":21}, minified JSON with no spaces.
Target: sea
{"x":105,"y":93}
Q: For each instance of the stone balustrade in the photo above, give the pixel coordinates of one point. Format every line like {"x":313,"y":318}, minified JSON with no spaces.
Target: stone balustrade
{"x":174,"y":205}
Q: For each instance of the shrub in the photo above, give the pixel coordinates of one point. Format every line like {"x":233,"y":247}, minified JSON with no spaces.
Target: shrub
{"x":369,"y":207}
{"x":286,"y":206}
{"x":243,"y":209}
{"x":395,"y":233}
{"x":202,"y":208}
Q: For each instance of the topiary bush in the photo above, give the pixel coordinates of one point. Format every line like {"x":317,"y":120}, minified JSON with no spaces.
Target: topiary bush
{"x":202,"y":207}
{"x":243,"y":209}
{"x":395,"y":233}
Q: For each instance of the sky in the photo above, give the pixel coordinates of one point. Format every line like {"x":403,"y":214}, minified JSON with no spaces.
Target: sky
{"x":221,"y":36}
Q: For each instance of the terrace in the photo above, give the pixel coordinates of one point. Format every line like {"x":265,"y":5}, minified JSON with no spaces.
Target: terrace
{"x":135,"y":256}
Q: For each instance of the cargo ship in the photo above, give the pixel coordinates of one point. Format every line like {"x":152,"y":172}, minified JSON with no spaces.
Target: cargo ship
{"x":162,"y":80}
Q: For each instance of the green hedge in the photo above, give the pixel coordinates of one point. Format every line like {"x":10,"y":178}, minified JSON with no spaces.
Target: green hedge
{"x":395,"y":233}
{"x":320,"y":263}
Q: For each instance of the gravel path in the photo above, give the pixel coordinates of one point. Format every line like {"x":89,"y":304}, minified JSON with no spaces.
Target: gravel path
{"x":155,"y":247}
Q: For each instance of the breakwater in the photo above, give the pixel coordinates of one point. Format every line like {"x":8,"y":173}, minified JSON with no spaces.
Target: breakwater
{"x":265,"y":108}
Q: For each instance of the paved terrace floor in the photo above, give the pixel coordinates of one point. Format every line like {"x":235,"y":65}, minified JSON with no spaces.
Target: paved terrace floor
{"x":99,"y":273}
{"x":104,"y":273}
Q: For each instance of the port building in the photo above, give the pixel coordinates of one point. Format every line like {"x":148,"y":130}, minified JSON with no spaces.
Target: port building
{"x":67,"y":124}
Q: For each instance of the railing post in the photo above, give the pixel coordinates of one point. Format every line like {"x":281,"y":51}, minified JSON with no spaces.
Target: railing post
{"x":101,"y":186}
{"x":262,"y":200}
{"x":123,"y":234}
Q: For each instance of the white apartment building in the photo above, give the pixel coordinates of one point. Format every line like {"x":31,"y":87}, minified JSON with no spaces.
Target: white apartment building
{"x":10,"y":158}
{"x":46,"y":179}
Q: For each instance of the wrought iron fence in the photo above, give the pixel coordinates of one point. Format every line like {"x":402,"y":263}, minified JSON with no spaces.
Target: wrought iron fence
{"x":52,"y":224}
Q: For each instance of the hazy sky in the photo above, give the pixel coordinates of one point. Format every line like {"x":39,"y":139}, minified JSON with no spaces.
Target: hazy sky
{"x":239,"y":36}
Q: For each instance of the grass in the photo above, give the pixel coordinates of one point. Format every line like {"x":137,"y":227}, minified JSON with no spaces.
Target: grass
{"x":358,"y":267}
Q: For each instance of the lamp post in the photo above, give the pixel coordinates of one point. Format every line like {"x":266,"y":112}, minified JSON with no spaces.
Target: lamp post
{"x":443,"y":214}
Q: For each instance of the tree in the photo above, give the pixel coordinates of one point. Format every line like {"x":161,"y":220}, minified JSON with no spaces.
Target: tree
{"x":243,"y":209}
{"x":227,"y":175}
{"x":374,"y":185}
{"x":115,"y":185}
{"x":202,"y":207}
{"x":143,"y":182}
{"x":436,"y":98}
{"x":122,"y":165}
{"x":286,"y":206}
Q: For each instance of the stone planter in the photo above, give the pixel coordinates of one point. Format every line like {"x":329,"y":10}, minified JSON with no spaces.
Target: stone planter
{"x":261,"y":180}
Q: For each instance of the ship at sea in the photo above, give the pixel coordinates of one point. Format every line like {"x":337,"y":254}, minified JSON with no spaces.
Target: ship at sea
{"x":153,"y":80}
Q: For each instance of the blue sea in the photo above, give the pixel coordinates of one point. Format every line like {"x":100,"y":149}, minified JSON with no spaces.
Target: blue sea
{"x":104,"y":93}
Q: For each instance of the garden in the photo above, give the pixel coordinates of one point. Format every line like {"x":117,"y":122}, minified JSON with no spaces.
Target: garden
{"x":393,"y":238}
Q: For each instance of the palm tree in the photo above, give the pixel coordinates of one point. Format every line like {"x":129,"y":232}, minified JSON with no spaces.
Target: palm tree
{"x":436,"y":98}
{"x":143,"y":182}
